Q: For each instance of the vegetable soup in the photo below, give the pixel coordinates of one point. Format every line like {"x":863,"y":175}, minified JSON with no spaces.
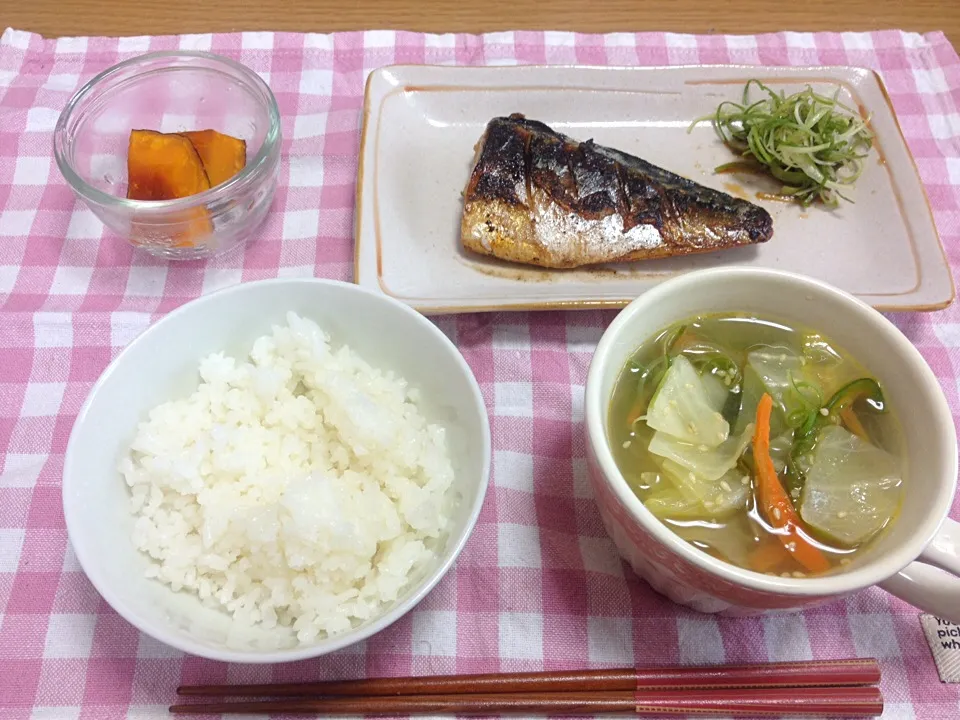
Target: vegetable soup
{"x":764,"y":445}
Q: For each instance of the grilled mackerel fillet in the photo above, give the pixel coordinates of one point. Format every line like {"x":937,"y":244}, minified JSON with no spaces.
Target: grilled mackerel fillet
{"x":537,"y":197}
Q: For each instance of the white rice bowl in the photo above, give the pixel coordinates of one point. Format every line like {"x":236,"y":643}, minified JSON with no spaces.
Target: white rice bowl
{"x":298,"y":488}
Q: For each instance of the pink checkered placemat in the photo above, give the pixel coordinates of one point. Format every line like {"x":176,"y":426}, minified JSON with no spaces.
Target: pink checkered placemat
{"x":539,"y":584}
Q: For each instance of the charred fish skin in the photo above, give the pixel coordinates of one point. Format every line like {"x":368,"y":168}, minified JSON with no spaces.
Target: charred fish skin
{"x":538,"y":197}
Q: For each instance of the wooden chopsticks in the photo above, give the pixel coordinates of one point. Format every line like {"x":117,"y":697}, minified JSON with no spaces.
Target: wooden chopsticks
{"x":769,"y":702}
{"x":839,"y":688}
{"x":771,"y":675}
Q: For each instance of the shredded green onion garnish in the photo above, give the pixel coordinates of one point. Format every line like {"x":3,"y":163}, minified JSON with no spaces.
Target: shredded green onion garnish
{"x":811,"y":143}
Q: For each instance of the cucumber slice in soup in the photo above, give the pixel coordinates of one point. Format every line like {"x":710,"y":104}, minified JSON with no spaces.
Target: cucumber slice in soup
{"x":781,"y":372}
{"x":780,"y":448}
{"x":709,"y":463}
{"x":716,"y":391}
{"x":670,"y":504}
{"x":733,"y":543}
{"x":753,"y":390}
{"x":852,"y":488}
{"x":717,"y":497}
{"x":682,"y":408}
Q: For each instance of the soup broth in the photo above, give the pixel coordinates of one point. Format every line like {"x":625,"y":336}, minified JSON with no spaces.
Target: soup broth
{"x":762,"y":444}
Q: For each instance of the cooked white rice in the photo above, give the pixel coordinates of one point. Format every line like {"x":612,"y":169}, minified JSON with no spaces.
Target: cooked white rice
{"x":300,"y":487}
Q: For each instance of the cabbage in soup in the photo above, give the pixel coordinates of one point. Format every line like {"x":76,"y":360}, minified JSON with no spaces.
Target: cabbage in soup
{"x":764,"y":445}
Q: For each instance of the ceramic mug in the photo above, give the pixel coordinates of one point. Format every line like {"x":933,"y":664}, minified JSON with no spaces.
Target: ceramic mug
{"x":917,"y":558}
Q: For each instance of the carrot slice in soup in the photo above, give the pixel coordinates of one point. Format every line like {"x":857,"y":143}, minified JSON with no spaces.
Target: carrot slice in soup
{"x":773,"y":499}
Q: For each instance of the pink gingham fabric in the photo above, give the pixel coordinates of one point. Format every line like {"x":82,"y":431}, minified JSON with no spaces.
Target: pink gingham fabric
{"x":539,"y":585}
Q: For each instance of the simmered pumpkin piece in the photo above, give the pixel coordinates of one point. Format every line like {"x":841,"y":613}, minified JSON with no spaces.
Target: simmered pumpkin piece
{"x":163,"y":166}
{"x":223,"y":156}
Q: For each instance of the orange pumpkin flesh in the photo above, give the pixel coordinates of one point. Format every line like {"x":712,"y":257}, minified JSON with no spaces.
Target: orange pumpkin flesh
{"x":163,"y":166}
{"x":223,"y":156}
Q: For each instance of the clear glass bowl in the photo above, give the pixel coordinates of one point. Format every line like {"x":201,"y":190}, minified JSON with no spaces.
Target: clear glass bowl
{"x":172,"y":92}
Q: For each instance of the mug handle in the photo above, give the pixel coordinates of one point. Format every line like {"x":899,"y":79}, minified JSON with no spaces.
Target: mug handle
{"x":932,"y":582}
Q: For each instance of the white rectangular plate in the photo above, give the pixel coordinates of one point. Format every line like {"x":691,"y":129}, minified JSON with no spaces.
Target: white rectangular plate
{"x":421,"y":124}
